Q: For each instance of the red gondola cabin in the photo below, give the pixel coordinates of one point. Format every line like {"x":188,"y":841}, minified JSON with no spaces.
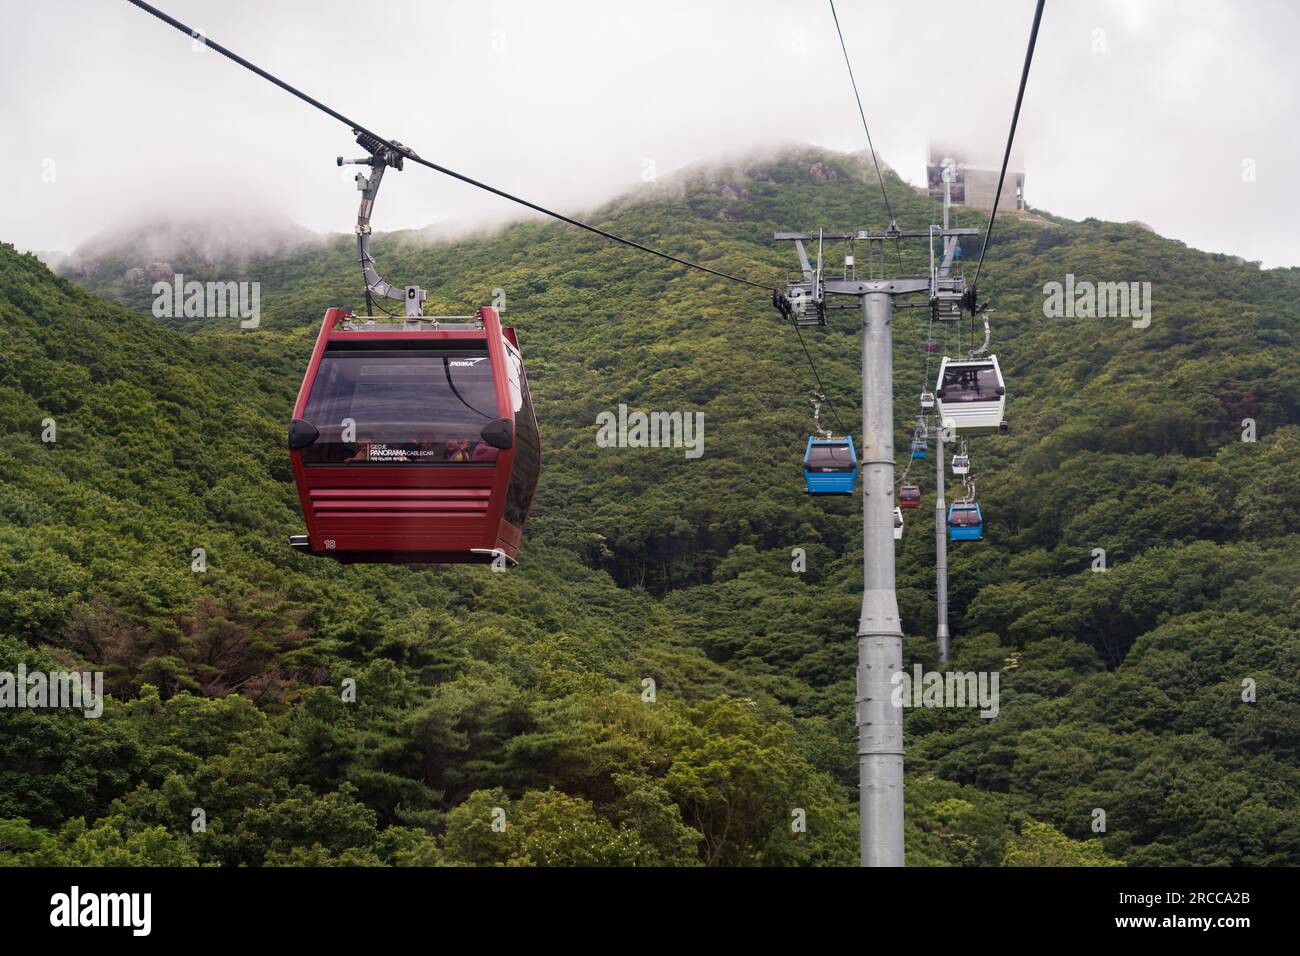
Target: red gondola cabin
{"x":414,"y":441}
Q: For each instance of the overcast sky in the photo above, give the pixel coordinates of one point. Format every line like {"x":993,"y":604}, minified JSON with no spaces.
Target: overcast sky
{"x":1156,"y":110}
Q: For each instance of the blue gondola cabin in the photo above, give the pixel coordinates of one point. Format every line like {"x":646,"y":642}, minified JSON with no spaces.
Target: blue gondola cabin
{"x":965,"y":521}
{"x":830,"y":466}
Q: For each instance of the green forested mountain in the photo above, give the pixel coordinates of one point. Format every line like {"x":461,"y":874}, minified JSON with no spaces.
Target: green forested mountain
{"x":525,"y":691}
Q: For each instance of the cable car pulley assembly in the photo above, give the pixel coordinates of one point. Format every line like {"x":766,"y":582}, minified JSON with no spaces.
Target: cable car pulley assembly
{"x":382,"y":156}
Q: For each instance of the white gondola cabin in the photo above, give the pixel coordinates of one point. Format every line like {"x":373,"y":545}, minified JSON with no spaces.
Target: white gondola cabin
{"x":971,"y":395}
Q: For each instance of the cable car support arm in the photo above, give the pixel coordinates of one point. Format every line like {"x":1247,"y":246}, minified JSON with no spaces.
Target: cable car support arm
{"x":381,"y":157}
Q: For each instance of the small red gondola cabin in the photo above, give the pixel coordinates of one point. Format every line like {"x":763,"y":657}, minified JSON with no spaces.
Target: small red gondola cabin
{"x":414,"y":441}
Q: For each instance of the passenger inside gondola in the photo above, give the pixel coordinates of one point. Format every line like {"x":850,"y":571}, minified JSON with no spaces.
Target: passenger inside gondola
{"x":964,"y":516}
{"x":362,"y":452}
{"x":979,"y":384}
{"x":425,"y":449}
